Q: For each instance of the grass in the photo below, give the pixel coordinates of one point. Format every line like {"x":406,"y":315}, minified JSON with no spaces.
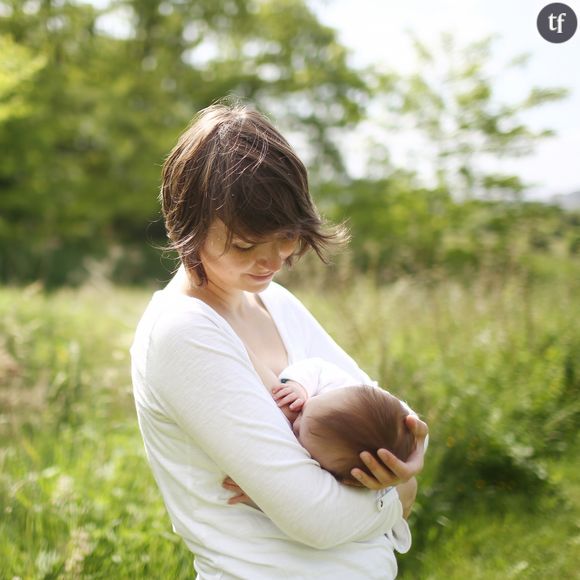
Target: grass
{"x":77,"y":497}
{"x":493,"y":367}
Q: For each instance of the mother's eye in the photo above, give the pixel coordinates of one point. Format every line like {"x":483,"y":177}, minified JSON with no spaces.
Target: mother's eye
{"x":242,"y":248}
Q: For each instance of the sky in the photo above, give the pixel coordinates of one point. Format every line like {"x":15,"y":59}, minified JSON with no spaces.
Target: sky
{"x":376,"y":31}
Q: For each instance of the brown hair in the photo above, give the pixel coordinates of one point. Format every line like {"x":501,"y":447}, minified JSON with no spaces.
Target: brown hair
{"x":232,"y":164}
{"x":373,"y":420}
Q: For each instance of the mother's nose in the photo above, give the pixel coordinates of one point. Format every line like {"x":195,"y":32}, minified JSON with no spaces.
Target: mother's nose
{"x":273,"y":256}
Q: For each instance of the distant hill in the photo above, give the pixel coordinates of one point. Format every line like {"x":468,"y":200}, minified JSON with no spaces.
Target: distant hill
{"x":569,"y":201}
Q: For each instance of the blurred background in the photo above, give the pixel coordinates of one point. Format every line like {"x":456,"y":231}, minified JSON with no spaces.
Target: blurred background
{"x":446,"y":135}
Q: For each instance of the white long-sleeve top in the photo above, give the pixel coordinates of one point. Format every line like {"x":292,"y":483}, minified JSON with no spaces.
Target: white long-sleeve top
{"x":319,"y":376}
{"x":204,"y":414}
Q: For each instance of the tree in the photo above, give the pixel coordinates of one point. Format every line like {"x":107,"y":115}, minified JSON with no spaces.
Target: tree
{"x":466,"y":217}
{"x":451,"y":101}
{"x":81,"y":168}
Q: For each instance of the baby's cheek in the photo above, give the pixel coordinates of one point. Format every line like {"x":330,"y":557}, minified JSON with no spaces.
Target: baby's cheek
{"x":296,"y":424}
{"x":290,"y":415}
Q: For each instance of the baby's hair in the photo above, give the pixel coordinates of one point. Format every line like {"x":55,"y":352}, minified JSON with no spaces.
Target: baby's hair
{"x":233,"y":164}
{"x":373,"y":419}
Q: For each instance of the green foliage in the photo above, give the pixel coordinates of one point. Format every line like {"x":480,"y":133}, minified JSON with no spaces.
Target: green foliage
{"x":492,"y":367}
{"x":75,"y":496}
{"x":88,"y":114}
{"x":18,"y":67}
{"x":74,"y":507}
{"x":399,"y":228}
{"x":85,"y":125}
{"x":451,"y":100}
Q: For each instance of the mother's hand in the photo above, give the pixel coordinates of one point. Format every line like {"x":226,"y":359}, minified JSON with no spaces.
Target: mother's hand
{"x":239,"y":496}
{"x":394,"y":471}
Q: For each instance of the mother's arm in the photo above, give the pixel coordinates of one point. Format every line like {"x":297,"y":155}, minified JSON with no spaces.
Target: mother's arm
{"x":204,"y":380}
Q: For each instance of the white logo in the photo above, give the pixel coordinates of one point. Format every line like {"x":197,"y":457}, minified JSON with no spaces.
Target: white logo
{"x":557,"y":22}
{"x":560,"y":19}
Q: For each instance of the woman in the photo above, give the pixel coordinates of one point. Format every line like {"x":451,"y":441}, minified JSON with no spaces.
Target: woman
{"x":237,"y":208}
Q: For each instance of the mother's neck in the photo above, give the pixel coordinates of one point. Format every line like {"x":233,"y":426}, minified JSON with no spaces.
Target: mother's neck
{"x":229,"y":303}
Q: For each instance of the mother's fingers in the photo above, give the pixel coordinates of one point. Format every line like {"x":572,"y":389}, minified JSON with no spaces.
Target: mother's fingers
{"x":240,"y":498}
{"x":239,"y":494}
{"x":366,"y":480}
{"x":229,"y":484}
{"x":231,"y":487}
{"x":388,"y":469}
{"x":383,"y":477}
{"x":404,"y":470}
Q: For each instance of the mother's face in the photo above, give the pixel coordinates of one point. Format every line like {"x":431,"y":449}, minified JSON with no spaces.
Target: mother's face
{"x":244,"y":266}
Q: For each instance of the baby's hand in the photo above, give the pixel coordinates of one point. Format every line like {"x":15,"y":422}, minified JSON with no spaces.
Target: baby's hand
{"x":291,"y":394}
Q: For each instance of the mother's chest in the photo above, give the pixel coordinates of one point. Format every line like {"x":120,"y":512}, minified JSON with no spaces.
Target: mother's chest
{"x":262,"y":339}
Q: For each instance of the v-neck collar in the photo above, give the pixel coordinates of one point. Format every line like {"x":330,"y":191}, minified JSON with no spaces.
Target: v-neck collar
{"x":268,"y":304}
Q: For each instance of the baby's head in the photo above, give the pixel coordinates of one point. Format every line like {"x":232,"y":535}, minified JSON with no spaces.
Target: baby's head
{"x":337,"y":425}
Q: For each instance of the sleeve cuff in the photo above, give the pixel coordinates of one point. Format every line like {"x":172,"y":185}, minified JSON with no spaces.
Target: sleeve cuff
{"x":400,"y":536}
{"x":383,"y":500}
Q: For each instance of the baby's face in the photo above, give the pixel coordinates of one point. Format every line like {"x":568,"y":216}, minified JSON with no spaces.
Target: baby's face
{"x":322,"y":450}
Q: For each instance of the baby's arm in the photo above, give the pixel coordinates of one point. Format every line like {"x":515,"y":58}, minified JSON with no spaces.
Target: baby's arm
{"x":288,"y":394}
{"x":303,"y":380}
{"x":317,"y":376}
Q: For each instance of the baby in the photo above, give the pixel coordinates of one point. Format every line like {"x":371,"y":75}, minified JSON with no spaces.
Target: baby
{"x":335,"y":420}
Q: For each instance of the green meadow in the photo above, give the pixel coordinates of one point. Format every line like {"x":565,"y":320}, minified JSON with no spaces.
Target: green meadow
{"x":460,"y":294}
{"x":492,"y":365}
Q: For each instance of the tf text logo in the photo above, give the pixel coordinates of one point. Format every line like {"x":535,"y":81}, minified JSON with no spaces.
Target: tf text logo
{"x":557,"y":22}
